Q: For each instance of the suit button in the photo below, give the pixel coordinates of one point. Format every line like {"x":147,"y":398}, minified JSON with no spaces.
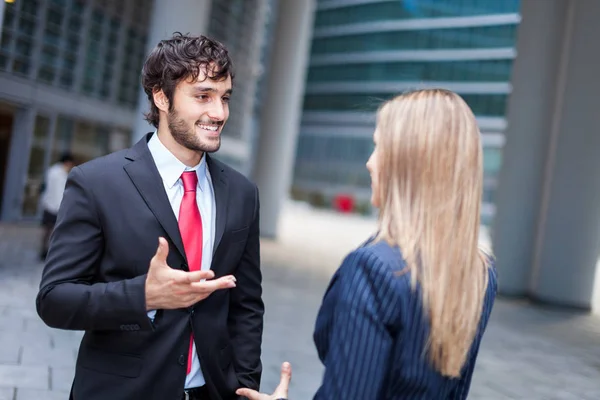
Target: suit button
{"x":123,"y":327}
{"x":135,"y":327}
{"x":181,"y":360}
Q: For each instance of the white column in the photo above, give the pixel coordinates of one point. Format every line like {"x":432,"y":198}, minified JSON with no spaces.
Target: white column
{"x":186,"y":16}
{"x":280,"y":120}
{"x":548,"y":221}
{"x":530,"y":106}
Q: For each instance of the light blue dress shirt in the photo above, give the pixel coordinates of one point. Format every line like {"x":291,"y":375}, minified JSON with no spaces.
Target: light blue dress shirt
{"x":170,"y":169}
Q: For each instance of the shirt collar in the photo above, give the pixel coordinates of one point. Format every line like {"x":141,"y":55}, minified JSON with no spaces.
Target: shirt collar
{"x":170,"y":168}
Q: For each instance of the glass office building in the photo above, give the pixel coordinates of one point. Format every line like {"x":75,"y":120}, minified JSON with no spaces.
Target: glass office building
{"x":70,"y":81}
{"x":365,"y":51}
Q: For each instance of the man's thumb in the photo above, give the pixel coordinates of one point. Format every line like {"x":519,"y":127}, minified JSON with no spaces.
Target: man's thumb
{"x":285,"y":378}
{"x":163,"y":250}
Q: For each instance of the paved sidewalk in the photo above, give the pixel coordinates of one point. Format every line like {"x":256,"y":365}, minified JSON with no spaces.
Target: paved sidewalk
{"x":528,"y":352}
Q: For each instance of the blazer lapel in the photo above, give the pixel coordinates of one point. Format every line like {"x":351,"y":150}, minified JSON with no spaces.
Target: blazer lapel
{"x":220,"y":186}
{"x":143,"y":173}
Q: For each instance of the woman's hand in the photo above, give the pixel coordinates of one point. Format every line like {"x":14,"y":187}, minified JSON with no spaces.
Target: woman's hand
{"x":281,"y":392}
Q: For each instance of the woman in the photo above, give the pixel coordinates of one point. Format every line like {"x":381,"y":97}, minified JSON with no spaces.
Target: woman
{"x":404,"y":314}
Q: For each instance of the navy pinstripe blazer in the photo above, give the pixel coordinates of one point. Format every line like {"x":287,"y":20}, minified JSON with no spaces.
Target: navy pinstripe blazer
{"x":371,"y":332}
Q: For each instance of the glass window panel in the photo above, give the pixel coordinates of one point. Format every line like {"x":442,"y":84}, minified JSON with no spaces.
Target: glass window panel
{"x":492,"y":161}
{"x":451,"y":38}
{"x":66,"y":80}
{"x":52,"y":38}
{"x":93,"y":49}
{"x":392,"y":10}
{"x":88,"y":86}
{"x":96,"y":31}
{"x":98,"y":17}
{"x":49,"y":55}
{"x":35,"y":171}
{"x":26,"y":26}
{"x":75,"y":23}
{"x":69,"y":60}
{"x":110,"y":54}
{"x":21,"y":66}
{"x":54,"y":17}
{"x":465,"y":71}
{"x":29,"y":7}
{"x":113,"y":37}
{"x":88,"y":142}
{"x":62,"y":137}
{"x":6,"y":40}
{"x":9,"y":14}
{"x":73,"y":42}
{"x":78,"y":6}
{"x":46,"y":74}
{"x":481,"y":104}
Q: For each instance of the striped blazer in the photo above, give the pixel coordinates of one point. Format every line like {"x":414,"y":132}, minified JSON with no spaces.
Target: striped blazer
{"x":371,"y":332}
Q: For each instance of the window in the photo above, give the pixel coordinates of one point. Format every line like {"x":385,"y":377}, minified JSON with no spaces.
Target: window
{"x":481,"y":104}
{"x":400,"y":9}
{"x":466,"y":71}
{"x":450,"y":38}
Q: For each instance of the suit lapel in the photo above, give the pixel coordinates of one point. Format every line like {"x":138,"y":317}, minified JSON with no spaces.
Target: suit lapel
{"x":220,"y":186}
{"x":143,"y":173}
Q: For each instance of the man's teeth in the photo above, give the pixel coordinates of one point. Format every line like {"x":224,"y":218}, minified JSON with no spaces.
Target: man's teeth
{"x":209,"y":127}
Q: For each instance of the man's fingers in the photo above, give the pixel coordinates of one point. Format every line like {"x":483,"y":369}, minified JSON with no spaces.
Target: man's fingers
{"x":225,"y":282}
{"x":249,"y":393}
{"x":284,"y":380}
{"x":197,"y":276}
{"x":162,"y":251}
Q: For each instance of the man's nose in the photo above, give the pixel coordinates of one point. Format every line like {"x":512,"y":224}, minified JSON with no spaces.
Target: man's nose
{"x":217,"y":111}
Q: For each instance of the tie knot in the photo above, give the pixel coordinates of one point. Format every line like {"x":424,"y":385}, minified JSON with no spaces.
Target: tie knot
{"x":190,"y":181}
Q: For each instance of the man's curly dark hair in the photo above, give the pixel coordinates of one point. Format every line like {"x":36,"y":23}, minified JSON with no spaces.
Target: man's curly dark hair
{"x":178,"y":58}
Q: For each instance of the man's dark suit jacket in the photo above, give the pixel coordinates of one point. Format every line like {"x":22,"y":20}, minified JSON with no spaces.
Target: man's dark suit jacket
{"x":113,"y":211}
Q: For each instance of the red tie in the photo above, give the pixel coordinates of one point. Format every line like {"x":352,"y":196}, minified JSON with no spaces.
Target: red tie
{"x":190,"y":227}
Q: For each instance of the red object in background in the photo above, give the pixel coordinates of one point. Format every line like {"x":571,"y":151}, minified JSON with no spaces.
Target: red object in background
{"x":344,"y":203}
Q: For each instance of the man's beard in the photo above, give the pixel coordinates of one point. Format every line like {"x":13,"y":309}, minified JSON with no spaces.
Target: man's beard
{"x":186,"y":136}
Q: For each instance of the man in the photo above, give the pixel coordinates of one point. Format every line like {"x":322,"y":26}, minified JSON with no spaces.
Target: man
{"x":52,"y":194}
{"x":140,"y":235}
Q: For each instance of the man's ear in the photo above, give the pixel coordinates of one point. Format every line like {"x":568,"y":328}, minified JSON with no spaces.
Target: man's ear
{"x":160,"y":100}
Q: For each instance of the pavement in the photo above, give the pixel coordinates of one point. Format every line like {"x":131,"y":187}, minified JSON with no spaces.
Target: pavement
{"x":528,"y":352}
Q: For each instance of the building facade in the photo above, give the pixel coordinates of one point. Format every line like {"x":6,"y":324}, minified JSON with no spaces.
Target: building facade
{"x":367,"y":51}
{"x":70,"y":81}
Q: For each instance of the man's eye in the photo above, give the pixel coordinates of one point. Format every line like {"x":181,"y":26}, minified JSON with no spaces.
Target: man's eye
{"x":225,"y":99}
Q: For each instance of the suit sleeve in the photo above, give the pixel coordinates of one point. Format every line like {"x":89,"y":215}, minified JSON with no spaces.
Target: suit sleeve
{"x":247,"y":309}
{"x":359,"y":340}
{"x":69,"y":297}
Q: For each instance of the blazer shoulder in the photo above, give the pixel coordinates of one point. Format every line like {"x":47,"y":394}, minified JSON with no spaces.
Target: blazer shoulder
{"x":368,"y":277}
{"x":377,"y":262}
{"x":382,"y":255}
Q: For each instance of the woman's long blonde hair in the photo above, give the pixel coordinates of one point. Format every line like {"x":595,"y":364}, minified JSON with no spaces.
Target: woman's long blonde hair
{"x":430,"y":183}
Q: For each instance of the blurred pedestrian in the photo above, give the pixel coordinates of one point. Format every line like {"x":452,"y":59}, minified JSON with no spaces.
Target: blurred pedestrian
{"x":52,"y":194}
{"x":404,"y":315}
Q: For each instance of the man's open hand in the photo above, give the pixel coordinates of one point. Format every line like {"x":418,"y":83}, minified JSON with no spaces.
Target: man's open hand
{"x":281,"y":391}
{"x":168,"y":288}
